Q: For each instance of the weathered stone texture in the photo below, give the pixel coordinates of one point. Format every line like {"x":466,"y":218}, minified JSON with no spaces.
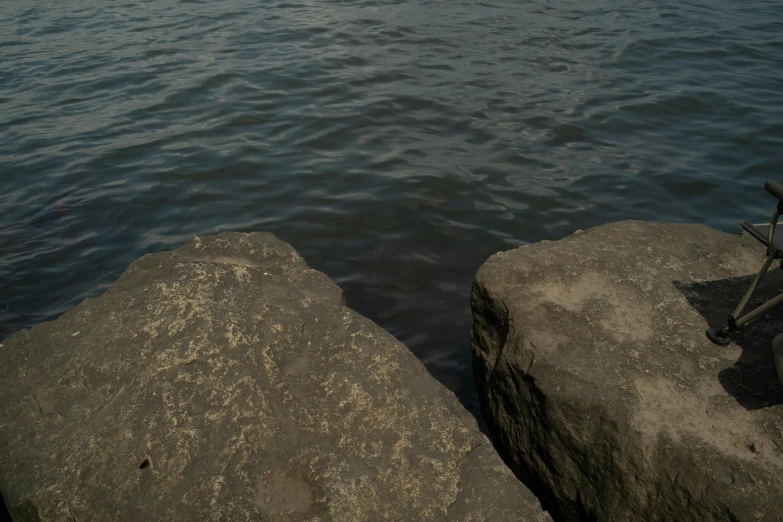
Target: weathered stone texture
{"x":227,"y":381}
{"x":602,"y":391}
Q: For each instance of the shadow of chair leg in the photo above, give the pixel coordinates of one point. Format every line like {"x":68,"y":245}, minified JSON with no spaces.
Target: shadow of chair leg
{"x":752,"y":380}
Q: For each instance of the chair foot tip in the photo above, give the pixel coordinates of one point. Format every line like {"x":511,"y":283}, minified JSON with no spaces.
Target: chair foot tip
{"x":719,"y":337}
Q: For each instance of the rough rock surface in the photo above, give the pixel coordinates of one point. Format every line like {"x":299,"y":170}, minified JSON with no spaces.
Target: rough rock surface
{"x":601,"y":389}
{"x":227,"y":381}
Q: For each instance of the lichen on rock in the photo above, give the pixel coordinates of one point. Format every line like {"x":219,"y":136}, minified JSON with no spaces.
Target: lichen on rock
{"x":226,"y":380}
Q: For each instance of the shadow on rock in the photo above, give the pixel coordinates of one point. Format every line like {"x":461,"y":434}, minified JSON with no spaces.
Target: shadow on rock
{"x":752,"y":380}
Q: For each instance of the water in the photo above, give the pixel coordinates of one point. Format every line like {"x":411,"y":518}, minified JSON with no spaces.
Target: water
{"x":395,"y":144}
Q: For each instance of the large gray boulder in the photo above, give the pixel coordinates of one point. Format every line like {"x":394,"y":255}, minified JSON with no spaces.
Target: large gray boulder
{"x":227,"y":381}
{"x":601,"y":389}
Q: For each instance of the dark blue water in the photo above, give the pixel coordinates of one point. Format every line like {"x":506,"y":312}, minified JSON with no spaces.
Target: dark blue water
{"x":395,"y":144}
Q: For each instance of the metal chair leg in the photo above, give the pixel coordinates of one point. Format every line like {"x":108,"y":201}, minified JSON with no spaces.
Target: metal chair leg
{"x":723,"y":337}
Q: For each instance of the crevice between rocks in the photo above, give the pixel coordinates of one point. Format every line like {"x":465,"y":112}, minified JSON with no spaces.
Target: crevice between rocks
{"x":571,"y":511}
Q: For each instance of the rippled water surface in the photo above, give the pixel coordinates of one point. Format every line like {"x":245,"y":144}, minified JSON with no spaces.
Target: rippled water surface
{"x":395,"y":144}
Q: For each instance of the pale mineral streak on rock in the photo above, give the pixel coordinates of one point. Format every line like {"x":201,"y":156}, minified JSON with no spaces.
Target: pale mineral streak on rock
{"x":601,"y":389}
{"x":226,"y":380}
{"x":601,"y":292}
